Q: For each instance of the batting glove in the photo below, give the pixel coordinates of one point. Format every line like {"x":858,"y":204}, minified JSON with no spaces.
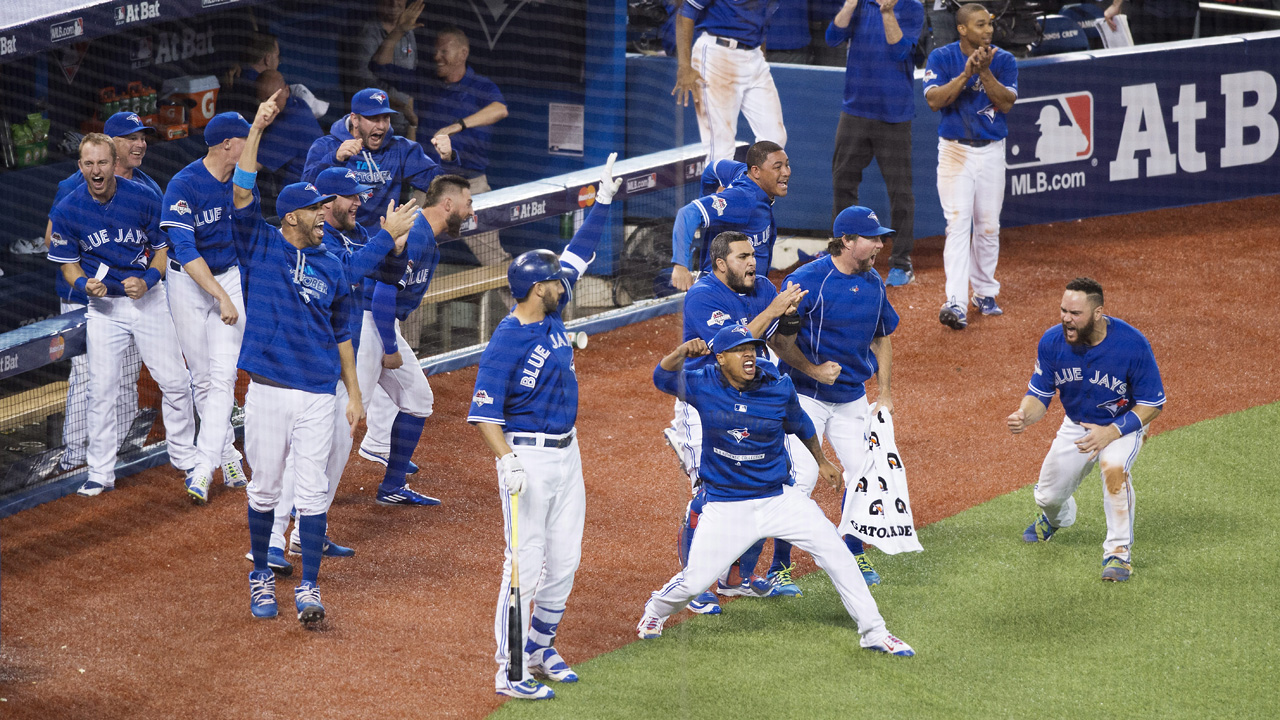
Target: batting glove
{"x":512,"y":473}
{"x":608,"y":183}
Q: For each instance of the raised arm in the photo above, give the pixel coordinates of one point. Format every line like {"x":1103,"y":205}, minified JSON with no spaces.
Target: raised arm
{"x":246,"y":173}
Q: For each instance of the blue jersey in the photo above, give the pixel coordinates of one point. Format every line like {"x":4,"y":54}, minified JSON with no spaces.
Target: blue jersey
{"x":296,"y":307}
{"x":741,"y":20}
{"x":710,"y":304}
{"x":422,"y":255}
{"x":972,"y":116}
{"x":120,"y":233}
{"x":65,"y":291}
{"x":527,"y":381}
{"x":1097,"y":384}
{"x":878,"y":78}
{"x":743,"y":206}
{"x":386,"y":169}
{"x":196,"y":214}
{"x":789,"y":26}
{"x":363,"y":257}
{"x":744,"y":456}
{"x":287,"y":140}
{"x":440,"y":104}
{"x":721,"y":174}
{"x":839,"y":318}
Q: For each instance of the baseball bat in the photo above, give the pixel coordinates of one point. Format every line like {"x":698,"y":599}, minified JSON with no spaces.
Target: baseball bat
{"x":515,"y":627}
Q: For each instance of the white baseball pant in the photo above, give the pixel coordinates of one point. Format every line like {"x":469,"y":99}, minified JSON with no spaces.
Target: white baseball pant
{"x":339,"y":451}
{"x":971,"y":189}
{"x":75,"y":436}
{"x":212,"y":350}
{"x":406,"y":385}
{"x":844,"y":424}
{"x":1065,"y":467}
{"x":287,"y":434}
{"x":733,"y":81}
{"x":112,"y":324}
{"x":687,"y":439}
{"x":553,"y":509}
{"x":380,"y":416}
{"x":727,"y":529}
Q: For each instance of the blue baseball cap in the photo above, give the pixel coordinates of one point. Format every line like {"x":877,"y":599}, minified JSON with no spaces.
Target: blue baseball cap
{"x":860,"y":221}
{"x":370,"y":102}
{"x":225,"y":126}
{"x":124,"y":123}
{"x":732,"y":336}
{"x":299,"y":195}
{"x":340,"y":181}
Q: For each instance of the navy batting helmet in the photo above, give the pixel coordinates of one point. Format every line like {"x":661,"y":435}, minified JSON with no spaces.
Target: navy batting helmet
{"x":530,"y":269}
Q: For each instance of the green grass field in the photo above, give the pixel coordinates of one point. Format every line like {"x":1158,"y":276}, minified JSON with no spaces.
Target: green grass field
{"x":1004,"y":629}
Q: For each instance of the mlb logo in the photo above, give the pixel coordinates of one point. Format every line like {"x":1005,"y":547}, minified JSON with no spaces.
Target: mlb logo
{"x":1049,"y":130}
{"x":121,"y":15}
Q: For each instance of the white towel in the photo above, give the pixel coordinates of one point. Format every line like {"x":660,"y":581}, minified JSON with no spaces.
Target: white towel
{"x":317,"y":106}
{"x":877,"y":508}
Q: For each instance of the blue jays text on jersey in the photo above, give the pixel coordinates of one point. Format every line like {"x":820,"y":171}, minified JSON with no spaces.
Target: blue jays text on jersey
{"x":710,"y":305}
{"x":839,"y":317}
{"x":527,"y":381}
{"x":743,"y":452}
{"x":971,"y":116}
{"x":1097,"y":383}
{"x":65,"y":291}
{"x":743,"y":206}
{"x":196,"y":214}
{"x":118,"y":233}
{"x":297,"y":304}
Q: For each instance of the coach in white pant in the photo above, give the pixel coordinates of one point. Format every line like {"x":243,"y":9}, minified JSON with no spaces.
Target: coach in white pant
{"x":973,"y":85}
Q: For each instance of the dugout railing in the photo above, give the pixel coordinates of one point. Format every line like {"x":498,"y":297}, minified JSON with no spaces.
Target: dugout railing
{"x":460,"y":310}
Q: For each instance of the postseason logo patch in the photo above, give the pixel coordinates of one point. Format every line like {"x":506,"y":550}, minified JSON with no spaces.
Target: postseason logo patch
{"x":481,"y":399}
{"x":718,"y":318}
{"x":719,"y":204}
{"x":181,"y":208}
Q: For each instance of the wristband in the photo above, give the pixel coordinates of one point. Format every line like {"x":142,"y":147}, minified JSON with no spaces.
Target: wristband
{"x":80,"y":283}
{"x":462,"y":123}
{"x":1128,"y":423}
{"x":151,"y":277}
{"x":243,"y":178}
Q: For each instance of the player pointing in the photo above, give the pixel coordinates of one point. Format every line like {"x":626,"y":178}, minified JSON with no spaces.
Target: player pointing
{"x":525,"y":406}
{"x":1106,"y":374}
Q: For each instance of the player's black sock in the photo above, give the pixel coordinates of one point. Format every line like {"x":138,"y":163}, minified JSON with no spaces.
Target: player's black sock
{"x":260,"y":536}
{"x":406,"y":431}
{"x":854,"y":544}
{"x":311,"y":528}
{"x":781,"y":555}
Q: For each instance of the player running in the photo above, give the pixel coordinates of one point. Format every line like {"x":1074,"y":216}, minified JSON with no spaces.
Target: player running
{"x":1106,"y":374}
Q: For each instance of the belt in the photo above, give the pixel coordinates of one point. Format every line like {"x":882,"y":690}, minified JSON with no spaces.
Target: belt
{"x":971,"y":143}
{"x":175,"y":265}
{"x":541,"y":440}
{"x":735,"y":44}
{"x":255,"y":377}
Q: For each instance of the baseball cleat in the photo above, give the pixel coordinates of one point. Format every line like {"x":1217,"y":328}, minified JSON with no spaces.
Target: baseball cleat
{"x":754,"y":586}
{"x":868,"y":573}
{"x":331,"y":548}
{"x":262,"y":593}
{"x":987,"y":305}
{"x":275,"y":560}
{"x":404,"y":496}
{"x":952,"y":315}
{"x":546,"y":663}
{"x":92,"y":488}
{"x":233,"y":475}
{"x":650,"y":626}
{"x":382,"y":459}
{"x":1115,"y":570}
{"x":527,"y":690}
{"x":306,"y":598}
{"x":891,"y":646}
{"x":705,"y":604}
{"x":899,"y":277}
{"x":1039,"y":531}
{"x":198,"y":488}
{"x":782,"y":584}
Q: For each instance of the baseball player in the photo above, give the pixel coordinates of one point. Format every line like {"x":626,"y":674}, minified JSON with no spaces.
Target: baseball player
{"x":731,"y":293}
{"x":845,"y":323}
{"x":974,"y":85}
{"x":379,"y":256}
{"x":1105,"y":373}
{"x":525,"y":406}
{"x":746,"y":205}
{"x":296,"y":347}
{"x":205,"y":296}
{"x":129,"y":136}
{"x":875,"y":119}
{"x":725,"y":72}
{"x":102,"y":234}
{"x":747,"y":406}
